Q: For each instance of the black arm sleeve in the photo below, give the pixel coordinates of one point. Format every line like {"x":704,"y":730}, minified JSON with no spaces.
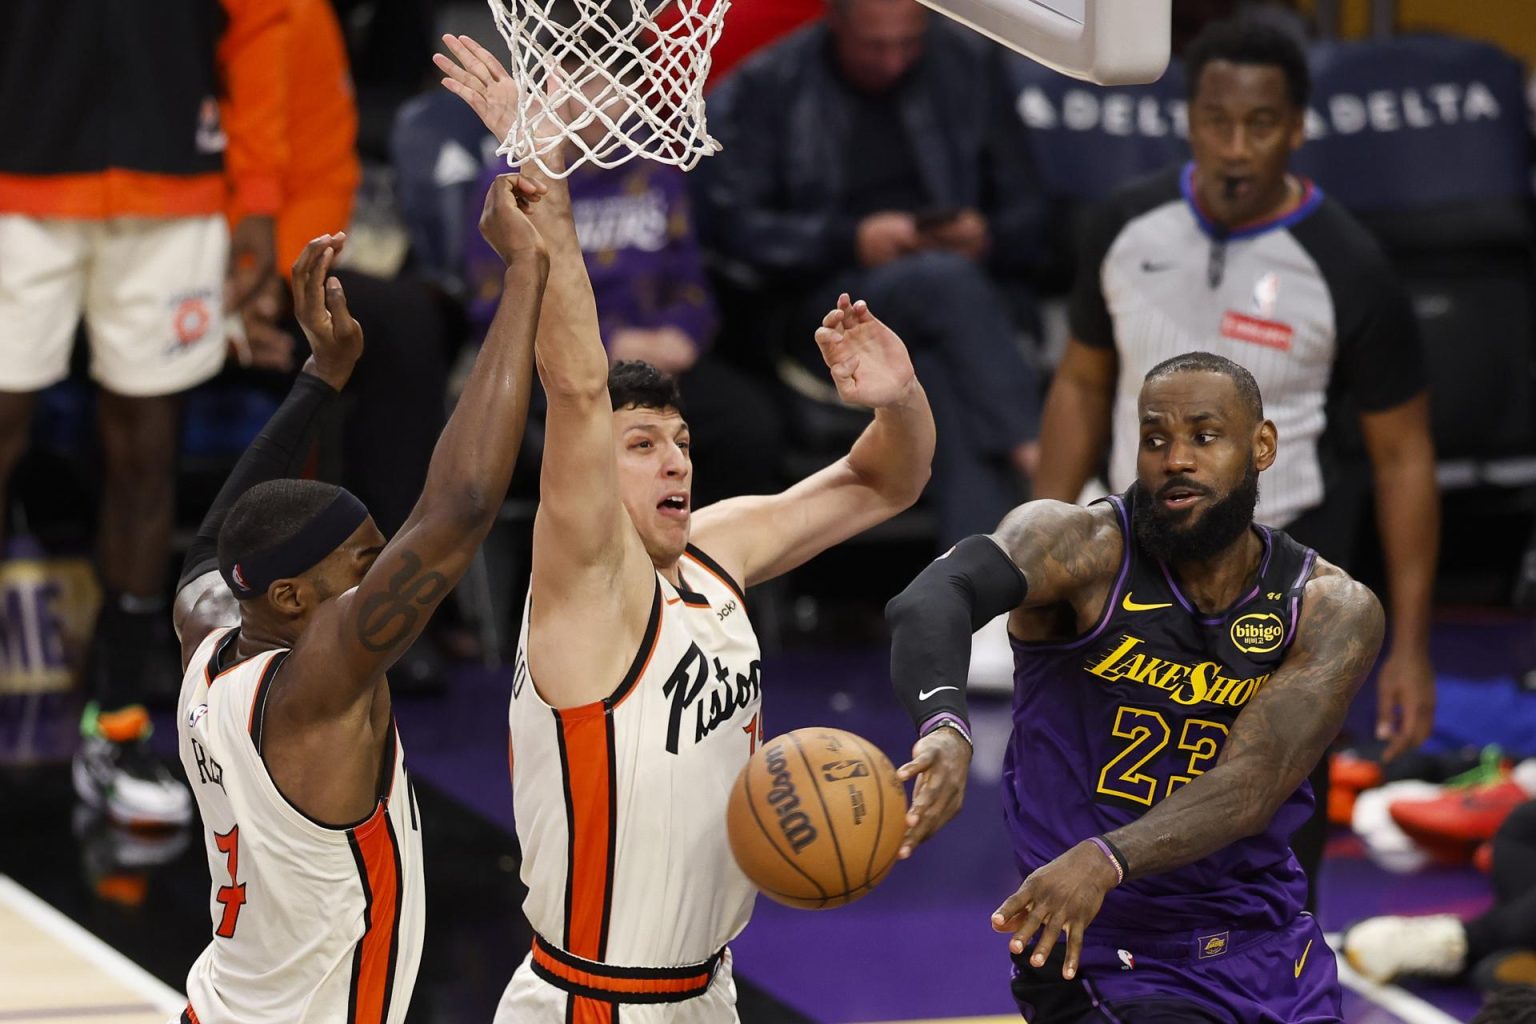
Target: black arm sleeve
{"x":279,"y":451}
{"x":932,"y":621}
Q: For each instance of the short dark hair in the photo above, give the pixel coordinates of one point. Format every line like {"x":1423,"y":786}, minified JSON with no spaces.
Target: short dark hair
{"x":1243,"y":40}
{"x":269,"y":514}
{"x":1209,"y":362}
{"x":633,"y":382}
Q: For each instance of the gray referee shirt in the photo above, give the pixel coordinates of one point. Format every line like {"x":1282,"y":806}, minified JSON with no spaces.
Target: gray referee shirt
{"x":1307,"y":302}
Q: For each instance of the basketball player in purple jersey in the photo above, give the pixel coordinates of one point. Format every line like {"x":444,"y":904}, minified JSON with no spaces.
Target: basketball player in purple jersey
{"x":1178,"y":672}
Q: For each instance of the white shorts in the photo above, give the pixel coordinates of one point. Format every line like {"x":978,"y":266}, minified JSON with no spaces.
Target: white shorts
{"x":529,"y":999}
{"x":150,"y":289}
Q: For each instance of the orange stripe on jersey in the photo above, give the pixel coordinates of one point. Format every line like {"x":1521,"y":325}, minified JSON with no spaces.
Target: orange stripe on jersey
{"x":586,"y":763}
{"x":590,"y":1011}
{"x":377,"y":854}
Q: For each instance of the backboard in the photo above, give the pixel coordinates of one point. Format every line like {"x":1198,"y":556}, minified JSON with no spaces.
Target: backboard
{"x":1112,"y":42}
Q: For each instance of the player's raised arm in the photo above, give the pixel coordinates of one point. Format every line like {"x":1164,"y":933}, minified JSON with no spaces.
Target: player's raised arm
{"x":356,"y":637}
{"x":760,"y":537}
{"x":203,"y":601}
{"x":1275,"y":742}
{"x":586,"y":552}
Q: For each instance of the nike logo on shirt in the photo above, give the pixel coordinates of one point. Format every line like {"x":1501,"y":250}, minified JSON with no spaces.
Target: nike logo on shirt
{"x":1133,"y":606}
{"x":1303,"y":961}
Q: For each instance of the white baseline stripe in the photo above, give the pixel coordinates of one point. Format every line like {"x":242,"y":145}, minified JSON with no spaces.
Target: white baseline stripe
{"x":106,"y":959}
{"x":1389,"y":997}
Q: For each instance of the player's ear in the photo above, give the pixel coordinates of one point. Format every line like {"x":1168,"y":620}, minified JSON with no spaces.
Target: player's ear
{"x":289,"y":597}
{"x":1266,"y":441}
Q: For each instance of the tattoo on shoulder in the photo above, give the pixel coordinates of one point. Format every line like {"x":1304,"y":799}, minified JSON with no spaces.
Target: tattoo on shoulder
{"x":1062,"y":540}
{"x":387,"y":618}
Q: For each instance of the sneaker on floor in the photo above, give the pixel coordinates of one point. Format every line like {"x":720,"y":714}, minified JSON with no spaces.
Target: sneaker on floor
{"x":1383,"y":948}
{"x":115,"y":772}
{"x":1469,"y":816}
{"x":1505,"y":969}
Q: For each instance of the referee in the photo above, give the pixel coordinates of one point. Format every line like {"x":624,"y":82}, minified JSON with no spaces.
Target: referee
{"x":1234,"y":254}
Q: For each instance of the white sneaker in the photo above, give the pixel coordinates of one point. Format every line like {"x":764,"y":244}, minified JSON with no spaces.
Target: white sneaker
{"x":1383,"y":948}
{"x":129,"y":783}
{"x":991,"y":659}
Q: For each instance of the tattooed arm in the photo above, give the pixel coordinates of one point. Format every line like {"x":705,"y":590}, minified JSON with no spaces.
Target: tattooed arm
{"x":1275,"y":741}
{"x":354,"y":639}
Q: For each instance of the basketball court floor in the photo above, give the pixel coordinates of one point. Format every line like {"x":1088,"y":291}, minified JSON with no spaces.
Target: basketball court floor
{"x":99,"y":927}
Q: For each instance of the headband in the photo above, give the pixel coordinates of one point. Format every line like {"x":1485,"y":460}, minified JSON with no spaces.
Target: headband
{"x":251,"y":575}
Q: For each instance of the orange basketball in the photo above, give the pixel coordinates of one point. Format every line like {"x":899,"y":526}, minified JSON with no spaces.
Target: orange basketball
{"x":816,"y":818}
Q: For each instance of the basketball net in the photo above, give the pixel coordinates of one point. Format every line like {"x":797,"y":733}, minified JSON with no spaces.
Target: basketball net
{"x":634,"y":74}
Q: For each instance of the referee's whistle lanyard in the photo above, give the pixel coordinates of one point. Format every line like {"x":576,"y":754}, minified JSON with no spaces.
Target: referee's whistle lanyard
{"x":1216,"y":262}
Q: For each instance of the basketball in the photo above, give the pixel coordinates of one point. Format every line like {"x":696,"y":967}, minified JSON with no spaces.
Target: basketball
{"x":816,"y":817}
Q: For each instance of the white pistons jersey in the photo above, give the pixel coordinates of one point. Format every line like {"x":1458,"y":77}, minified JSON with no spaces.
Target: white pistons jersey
{"x":620,"y":804}
{"x":311,"y":923}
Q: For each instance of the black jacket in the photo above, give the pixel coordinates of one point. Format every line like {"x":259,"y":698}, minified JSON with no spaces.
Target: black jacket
{"x":774,"y":197}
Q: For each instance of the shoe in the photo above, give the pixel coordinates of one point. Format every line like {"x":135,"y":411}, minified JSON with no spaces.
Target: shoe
{"x":1386,"y":844}
{"x":1505,"y":969}
{"x":1383,"y":948}
{"x":1349,"y":770}
{"x":115,"y":772}
{"x":1349,"y":775}
{"x":1467,"y":814}
{"x":118,"y":861}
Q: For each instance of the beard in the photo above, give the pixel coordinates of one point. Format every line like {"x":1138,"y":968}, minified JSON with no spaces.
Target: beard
{"x":1170,"y":536}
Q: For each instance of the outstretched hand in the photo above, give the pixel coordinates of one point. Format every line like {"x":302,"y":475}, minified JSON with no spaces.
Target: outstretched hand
{"x":868,"y":360}
{"x":480,"y":80}
{"x":1059,"y":898}
{"x":941,"y":762}
{"x":335,"y":336}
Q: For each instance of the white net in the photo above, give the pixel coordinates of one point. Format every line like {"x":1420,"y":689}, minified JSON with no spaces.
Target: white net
{"x":609,"y":79}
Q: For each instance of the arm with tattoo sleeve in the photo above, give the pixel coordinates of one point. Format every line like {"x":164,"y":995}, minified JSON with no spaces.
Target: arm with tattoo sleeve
{"x":367,"y":628}
{"x":1274,"y":743}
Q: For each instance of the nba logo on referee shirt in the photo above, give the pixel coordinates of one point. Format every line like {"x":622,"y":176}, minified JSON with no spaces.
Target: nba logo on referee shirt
{"x":1266,"y":295}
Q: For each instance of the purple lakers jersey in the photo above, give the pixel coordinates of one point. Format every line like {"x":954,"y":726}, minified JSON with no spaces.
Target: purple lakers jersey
{"x":1107,"y":725}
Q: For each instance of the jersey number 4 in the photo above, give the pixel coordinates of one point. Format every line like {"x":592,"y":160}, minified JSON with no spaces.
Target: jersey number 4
{"x":1147,"y":733}
{"x":233,"y":894}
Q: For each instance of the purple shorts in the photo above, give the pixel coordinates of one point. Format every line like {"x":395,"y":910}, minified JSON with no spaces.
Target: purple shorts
{"x":1216,"y":975}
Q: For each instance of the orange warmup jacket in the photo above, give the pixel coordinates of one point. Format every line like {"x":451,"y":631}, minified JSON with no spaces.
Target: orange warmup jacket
{"x":114,"y":109}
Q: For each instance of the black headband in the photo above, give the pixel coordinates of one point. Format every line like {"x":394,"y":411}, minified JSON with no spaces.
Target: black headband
{"x":251,"y":575}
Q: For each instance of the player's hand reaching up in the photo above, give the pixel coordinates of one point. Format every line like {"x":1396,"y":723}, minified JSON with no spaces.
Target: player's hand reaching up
{"x":335,"y":336}
{"x":1062,"y":896}
{"x":940,"y":763}
{"x":504,"y":221}
{"x":869,"y":363}
{"x":474,"y":75}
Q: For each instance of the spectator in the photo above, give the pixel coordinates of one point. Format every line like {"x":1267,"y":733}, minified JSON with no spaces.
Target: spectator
{"x":1235,"y":254}
{"x":878,"y":153}
{"x":114,"y":179}
{"x":636,"y":230}
{"x":394,"y":409}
